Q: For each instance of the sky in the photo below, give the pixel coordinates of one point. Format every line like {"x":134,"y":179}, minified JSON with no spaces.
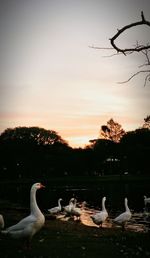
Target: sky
{"x":50,"y":76}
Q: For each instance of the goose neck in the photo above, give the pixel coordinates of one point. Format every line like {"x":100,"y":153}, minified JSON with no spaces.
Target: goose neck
{"x":126,"y":205}
{"x":103,"y":204}
{"x":33,"y":203}
{"x":59,"y":204}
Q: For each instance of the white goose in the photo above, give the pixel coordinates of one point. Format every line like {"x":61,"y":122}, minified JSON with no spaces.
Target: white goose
{"x":1,"y":222}
{"x":101,"y":216}
{"x":26,"y":228}
{"x":146,"y":200}
{"x":125,"y":216}
{"x":75,"y":211}
{"x":57,"y":209}
{"x":68,"y":207}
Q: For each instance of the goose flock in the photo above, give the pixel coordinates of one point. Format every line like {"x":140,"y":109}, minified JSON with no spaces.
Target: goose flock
{"x":97,"y":217}
{"x":26,"y":228}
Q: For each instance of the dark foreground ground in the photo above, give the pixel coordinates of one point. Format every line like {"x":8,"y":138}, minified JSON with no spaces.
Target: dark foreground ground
{"x":67,"y":238}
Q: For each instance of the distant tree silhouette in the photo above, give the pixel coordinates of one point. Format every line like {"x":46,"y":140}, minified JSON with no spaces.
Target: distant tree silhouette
{"x":112,"y":131}
{"x":135,"y":147}
{"x":105,"y":156}
{"x":39,"y":136}
{"x":31,"y":151}
{"x":147,"y":122}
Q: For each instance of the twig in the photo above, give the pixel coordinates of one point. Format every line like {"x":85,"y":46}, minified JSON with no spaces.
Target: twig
{"x":135,"y":74}
{"x":107,"y":48}
{"x":146,"y":79}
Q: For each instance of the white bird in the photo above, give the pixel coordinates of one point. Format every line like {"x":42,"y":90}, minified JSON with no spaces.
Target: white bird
{"x":26,"y":228}
{"x":1,"y":222}
{"x":146,"y":200}
{"x":75,"y":211}
{"x":57,"y":209}
{"x":125,"y":216}
{"x":68,"y":207}
{"x":101,"y":216}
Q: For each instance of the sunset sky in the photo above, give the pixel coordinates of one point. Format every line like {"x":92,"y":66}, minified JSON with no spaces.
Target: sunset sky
{"x":51,"y":78}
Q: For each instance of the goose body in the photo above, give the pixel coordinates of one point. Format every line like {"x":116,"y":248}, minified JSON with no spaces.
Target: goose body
{"x":68,"y":207}
{"x":57,"y":209}
{"x":75,"y":211}
{"x":146,"y":200}
{"x":101,"y":216}
{"x":1,"y":222}
{"x":30,"y":225}
{"x":125,"y":216}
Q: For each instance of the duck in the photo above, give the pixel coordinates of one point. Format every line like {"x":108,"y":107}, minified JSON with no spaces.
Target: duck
{"x":26,"y":228}
{"x":57,"y":209}
{"x":146,"y":200}
{"x":124,"y":217}
{"x":101,"y":216}
{"x":2,"y":224}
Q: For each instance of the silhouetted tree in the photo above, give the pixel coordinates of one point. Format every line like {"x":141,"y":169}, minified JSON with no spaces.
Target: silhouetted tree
{"x":106,"y":156}
{"x":36,"y":135}
{"x":136,"y":149}
{"x":81,"y":162}
{"x":112,"y":131}
{"x":146,"y":122}
{"x":31,"y":151}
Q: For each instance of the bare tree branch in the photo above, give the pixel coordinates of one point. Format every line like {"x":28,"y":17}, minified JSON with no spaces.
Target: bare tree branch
{"x":135,"y":74}
{"x":107,"y":48}
{"x":146,"y":79}
{"x":146,"y":52}
{"x":135,"y":49}
{"x":143,"y":49}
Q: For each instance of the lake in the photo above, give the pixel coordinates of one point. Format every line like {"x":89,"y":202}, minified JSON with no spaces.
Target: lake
{"x":90,"y":190}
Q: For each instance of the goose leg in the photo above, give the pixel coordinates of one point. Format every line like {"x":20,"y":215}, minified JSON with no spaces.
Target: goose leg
{"x":100,"y":225}
{"x":123,"y":226}
{"x":26,"y":244}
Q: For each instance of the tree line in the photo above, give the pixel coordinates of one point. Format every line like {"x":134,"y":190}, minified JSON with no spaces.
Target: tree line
{"x":33,"y":152}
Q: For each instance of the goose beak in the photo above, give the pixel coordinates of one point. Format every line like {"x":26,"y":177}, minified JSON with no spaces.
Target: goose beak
{"x":42,"y":186}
